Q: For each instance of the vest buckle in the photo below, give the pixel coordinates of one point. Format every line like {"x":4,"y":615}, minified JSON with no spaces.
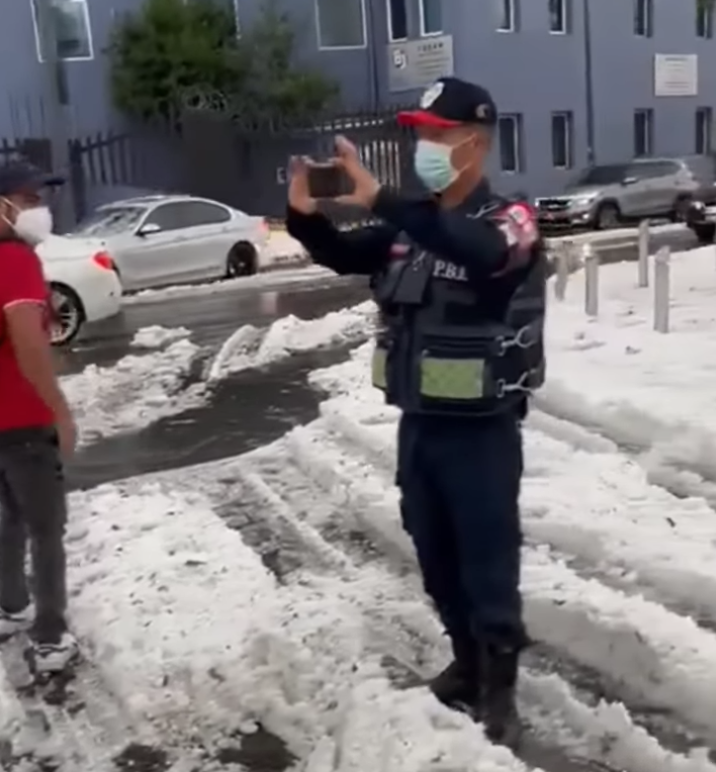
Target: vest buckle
{"x":523,"y":339}
{"x":503,"y":388}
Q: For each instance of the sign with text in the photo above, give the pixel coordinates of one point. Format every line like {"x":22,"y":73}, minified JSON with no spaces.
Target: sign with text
{"x":416,"y":64}
{"x":676,"y":75}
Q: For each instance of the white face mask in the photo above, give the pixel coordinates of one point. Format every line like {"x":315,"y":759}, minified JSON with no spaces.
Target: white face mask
{"x":33,"y":225}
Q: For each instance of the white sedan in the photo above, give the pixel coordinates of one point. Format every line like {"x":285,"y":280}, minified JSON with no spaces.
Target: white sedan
{"x":162,"y":240}
{"x":84,"y":285}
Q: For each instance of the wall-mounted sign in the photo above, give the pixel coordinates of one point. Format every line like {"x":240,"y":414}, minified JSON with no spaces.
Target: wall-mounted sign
{"x":416,"y":64}
{"x":676,"y":75}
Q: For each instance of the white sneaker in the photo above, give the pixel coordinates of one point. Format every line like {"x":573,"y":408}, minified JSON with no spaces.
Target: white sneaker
{"x":54,"y":657}
{"x":12,"y":624}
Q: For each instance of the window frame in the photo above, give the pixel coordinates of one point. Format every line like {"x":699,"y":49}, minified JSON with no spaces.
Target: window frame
{"x":364,"y":30}
{"x":648,"y":115}
{"x":645,"y":30}
{"x":389,"y":21}
{"x":186,"y":204}
{"x":706,"y":131}
{"x":88,"y":26}
{"x":565,"y":6}
{"x":152,"y":211}
{"x":512,"y":13}
{"x":421,"y":14}
{"x":568,"y":117}
{"x":199,"y":202}
{"x":704,"y":21}
{"x":517,"y":133}
{"x":652,"y":169}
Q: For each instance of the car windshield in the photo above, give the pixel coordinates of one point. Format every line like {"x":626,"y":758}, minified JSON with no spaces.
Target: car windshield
{"x":109,"y":221}
{"x":601,"y":175}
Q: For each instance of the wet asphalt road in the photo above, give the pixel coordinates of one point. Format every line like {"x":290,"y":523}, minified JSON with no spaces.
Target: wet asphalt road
{"x":211,"y":318}
{"x":246,"y":410}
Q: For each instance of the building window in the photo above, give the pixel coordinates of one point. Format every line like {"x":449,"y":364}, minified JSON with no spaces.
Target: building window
{"x":562,"y":140}
{"x":509,"y":129}
{"x":644,"y":18}
{"x":559,"y":16}
{"x":71,"y":29}
{"x":704,"y":130}
{"x":643,"y":133}
{"x":704,"y":20}
{"x":397,"y":20}
{"x":341,"y":25}
{"x":431,"y":17}
{"x":507,"y":19}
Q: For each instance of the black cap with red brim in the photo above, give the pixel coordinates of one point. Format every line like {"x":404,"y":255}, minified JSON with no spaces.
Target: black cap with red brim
{"x":451,"y":102}
{"x":21,"y":177}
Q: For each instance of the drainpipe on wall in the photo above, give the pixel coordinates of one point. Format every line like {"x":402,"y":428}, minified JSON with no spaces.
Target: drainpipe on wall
{"x":372,"y":48}
{"x":589,"y":84}
{"x":55,"y":71}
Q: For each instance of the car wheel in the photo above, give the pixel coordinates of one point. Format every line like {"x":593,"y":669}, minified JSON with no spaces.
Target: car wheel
{"x":681,"y":208}
{"x":242,"y":260}
{"x":69,"y":314}
{"x":607,"y":217}
{"x":705,"y":232}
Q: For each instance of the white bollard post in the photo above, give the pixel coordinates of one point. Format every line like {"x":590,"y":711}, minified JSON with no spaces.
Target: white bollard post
{"x":591,"y":280}
{"x":563,"y":256}
{"x":662,"y":289}
{"x":644,"y":253}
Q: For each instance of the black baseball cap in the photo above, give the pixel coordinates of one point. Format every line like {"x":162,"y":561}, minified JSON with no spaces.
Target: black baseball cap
{"x":21,"y":176}
{"x":451,"y":102}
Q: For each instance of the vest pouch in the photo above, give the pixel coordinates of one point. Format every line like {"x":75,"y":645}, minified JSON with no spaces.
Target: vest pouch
{"x":387,"y":283}
{"x":455,"y":370}
{"x":465,"y":376}
{"x":413,"y":283}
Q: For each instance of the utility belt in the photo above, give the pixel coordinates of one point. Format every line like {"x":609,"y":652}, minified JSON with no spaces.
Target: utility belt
{"x":482,"y":371}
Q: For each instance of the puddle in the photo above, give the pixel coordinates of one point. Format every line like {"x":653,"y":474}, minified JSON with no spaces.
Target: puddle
{"x":261,"y":751}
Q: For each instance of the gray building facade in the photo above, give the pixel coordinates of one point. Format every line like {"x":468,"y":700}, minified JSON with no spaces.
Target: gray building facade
{"x":574,"y":80}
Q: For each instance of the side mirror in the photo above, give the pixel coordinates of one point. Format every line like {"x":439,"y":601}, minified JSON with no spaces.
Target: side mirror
{"x":629,"y":181}
{"x":148,"y":229}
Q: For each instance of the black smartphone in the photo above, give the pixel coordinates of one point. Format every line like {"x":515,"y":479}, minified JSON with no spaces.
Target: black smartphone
{"x":326,"y":181}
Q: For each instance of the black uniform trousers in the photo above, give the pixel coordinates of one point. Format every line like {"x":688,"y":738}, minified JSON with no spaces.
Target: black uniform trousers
{"x":460,"y":484}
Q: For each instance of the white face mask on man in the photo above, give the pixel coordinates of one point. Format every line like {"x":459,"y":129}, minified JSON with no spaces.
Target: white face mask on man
{"x":32,"y":225}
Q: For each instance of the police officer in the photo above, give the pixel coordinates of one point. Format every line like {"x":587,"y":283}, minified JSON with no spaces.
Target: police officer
{"x":459,"y":277}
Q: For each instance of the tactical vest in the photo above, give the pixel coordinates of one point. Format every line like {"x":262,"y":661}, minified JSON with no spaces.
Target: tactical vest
{"x":442,"y":349}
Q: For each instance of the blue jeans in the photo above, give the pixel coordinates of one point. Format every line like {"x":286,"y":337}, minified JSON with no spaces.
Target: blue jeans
{"x":460,"y":484}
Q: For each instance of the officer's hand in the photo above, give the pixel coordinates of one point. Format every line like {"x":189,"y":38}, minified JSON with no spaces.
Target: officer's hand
{"x":299,"y":197}
{"x":366,"y":186}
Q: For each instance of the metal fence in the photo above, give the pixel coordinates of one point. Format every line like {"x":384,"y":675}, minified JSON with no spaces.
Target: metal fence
{"x":213,"y":152}
{"x":107,"y":166}
{"x":245,"y":164}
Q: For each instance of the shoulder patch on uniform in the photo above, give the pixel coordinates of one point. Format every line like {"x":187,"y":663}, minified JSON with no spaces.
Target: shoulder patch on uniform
{"x":399,"y":250}
{"x":518,"y":222}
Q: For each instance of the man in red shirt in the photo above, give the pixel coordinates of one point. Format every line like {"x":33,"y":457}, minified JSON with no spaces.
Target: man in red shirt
{"x":36,"y":428}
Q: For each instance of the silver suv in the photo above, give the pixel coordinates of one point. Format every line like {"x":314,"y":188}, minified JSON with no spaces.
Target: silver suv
{"x":605,"y":196}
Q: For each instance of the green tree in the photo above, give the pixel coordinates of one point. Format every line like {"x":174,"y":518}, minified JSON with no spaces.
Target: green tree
{"x":277,"y":86}
{"x":172,"y":48}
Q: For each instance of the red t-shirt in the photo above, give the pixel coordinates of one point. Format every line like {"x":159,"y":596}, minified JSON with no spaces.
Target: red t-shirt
{"x":21,"y":281}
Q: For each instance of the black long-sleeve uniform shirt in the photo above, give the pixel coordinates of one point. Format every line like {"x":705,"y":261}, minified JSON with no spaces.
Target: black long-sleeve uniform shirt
{"x":479,"y":244}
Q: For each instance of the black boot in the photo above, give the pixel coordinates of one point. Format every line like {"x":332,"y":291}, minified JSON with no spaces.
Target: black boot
{"x":502,"y":722}
{"x":458,"y":686}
